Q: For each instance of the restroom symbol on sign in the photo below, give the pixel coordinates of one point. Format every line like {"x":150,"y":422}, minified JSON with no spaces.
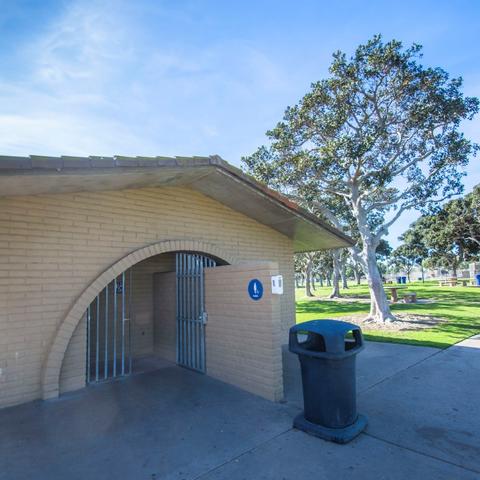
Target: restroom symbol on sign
{"x":255,"y":289}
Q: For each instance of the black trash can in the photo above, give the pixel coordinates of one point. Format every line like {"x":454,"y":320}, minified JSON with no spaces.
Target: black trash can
{"x":327,"y":358}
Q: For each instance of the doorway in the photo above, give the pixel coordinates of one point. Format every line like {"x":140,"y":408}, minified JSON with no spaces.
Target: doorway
{"x":109,"y":331}
{"x":191,"y":317}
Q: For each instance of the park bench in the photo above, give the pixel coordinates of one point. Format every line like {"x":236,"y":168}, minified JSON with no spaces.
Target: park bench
{"x":410,"y":297}
{"x":451,"y":282}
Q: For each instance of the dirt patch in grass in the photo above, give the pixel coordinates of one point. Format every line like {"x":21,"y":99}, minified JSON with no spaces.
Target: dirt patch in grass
{"x":358,"y":298}
{"x":361,"y":299}
{"x":405,"y":322}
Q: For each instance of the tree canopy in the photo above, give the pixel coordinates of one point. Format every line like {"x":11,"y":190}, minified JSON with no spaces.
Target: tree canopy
{"x":449,"y":236}
{"x":381,"y":135}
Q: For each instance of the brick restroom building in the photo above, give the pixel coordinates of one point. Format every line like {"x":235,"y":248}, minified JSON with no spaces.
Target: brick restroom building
{"x":111,"y":266}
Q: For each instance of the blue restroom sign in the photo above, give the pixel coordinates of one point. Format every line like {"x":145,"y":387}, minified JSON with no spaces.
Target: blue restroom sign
{"x":255,"y":289}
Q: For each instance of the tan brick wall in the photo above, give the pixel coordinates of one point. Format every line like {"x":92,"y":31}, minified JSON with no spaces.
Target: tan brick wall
{"x":52,"y":247}
{"x":165,"y":315}
{"x":72,"y":374}
{"x":243,"y":336}
{"x":143,"y":300}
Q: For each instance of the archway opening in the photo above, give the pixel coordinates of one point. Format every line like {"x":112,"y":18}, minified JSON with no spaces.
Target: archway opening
{"x":149,"y":317}
{"x":62,"y":369}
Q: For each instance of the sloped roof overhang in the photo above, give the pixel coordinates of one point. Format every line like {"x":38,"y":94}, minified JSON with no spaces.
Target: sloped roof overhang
{"x":212,"y":176}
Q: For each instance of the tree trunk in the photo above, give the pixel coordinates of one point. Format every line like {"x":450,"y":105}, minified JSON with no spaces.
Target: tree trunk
{"x":423,"y":273}
{"x":358,"y":276}
{"x":336,"y":275}
{"x":313,"y":281}
{"x":379,"y":307}
{"x":320,"y":280}
{"x":454,"y":269}
{"x":343,"y":272}
{"x":308,"y":273}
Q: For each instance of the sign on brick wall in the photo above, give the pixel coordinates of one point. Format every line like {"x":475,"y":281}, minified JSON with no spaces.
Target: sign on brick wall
{"x":255,"y":289}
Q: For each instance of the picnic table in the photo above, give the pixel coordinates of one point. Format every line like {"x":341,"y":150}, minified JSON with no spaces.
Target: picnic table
{"x":394,"y":292}
{"x":453,"y":281}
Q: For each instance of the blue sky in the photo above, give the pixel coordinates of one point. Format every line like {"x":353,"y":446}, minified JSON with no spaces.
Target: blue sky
{"x":198,"y":77}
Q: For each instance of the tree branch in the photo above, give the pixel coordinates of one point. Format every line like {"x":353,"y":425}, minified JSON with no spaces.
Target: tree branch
{"x":384,"y":228}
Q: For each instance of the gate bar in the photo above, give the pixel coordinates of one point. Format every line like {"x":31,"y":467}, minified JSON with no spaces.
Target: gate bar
{"x":182,"y":307}
{"x":130,"y":321}
{"x":192,"y":312}
{"x":185,"y":308}
{"x":115,"y":316}
{"x":176,"y":307}
{"x":189,"y":311}
{"x":105,"y":367}
{"x":89,"y":333}
{"x":202,"y":325}
{"x":97,"y":338}
{"x":123,"y":323}
{"x":198,"y":312}
{"x":180,"y":302}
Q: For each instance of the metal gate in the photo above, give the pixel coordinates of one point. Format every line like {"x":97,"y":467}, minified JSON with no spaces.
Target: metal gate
{"x":191,"y":315}
{"x":109,"y":336}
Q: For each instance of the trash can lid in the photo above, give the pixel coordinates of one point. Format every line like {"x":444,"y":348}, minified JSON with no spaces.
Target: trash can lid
{"x":333,"y":333}
{"x":325,"y":327}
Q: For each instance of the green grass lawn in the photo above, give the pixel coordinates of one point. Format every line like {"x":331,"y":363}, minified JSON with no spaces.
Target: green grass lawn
{"x":459,"y":306}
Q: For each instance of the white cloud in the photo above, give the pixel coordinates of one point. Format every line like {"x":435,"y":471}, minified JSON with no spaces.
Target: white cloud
{"x":84,"y":45}
{"x":102,"y":81}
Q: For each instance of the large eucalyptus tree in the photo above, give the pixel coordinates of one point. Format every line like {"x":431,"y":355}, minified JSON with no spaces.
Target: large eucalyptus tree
{"x":381,"y":133}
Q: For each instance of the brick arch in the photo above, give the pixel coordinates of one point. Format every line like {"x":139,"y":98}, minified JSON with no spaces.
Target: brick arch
{"x":56,"y":353}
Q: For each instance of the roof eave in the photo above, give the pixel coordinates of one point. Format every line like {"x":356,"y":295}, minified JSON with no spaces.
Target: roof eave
{"x":308,"y":232}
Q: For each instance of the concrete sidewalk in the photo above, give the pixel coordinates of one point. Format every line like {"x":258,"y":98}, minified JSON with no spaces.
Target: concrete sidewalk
{"x":422,"y":405}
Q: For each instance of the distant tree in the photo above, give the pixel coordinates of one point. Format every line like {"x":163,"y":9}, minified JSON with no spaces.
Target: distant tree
{"x":307,"y":266}
{"x":464,"y":219}
{"x":344,"y":257}
{"x":323,"y":267}
{"x":382,"y":135}
{"x":355,"y":270}
{"x":403,"y":261}
{"x":309,"y":263}
{"x":382,"y":254}
{"x":412,"y":252}
{"x":333,"y":211}
{"x":448,"y":237}
{"x":383,"y":250}
{"x":299,"y":267}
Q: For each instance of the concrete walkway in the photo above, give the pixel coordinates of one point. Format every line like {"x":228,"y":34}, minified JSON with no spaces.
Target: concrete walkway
{"x":422,"y":405}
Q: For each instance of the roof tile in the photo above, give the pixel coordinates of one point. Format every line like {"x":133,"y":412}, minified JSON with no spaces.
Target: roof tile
{"x":75,"y":162}
{"x":52,"y":163}
{"x":126,"y":161}
{"x":166,"y":161}
{"x":14,"y":163}
{"x":102,"y":162}
{"x":147,"y":161}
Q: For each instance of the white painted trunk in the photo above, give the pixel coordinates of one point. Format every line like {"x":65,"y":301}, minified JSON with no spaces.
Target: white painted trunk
{"x":357,"y":274}
{"x":308,"y":277}
{"x":336,"y":275}
{"x":379,"y":306}
{"x":343,"y":271}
